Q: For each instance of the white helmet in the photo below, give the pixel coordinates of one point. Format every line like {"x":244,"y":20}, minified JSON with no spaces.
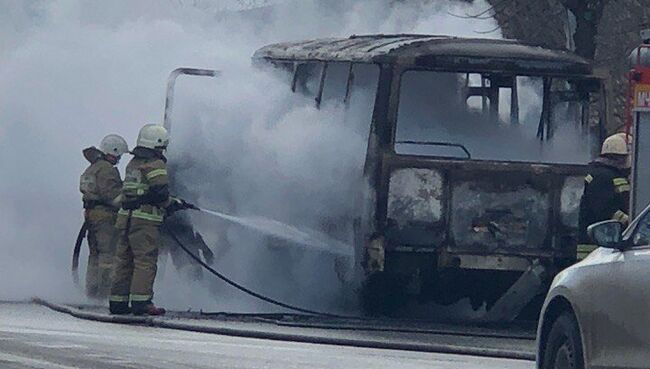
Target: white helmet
{"x":616,"y":144}
{"x":153,"y":136}
{"x":114,"y":145}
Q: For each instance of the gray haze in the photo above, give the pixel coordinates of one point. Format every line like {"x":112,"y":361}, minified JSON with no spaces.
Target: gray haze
{"x":72,"y":71}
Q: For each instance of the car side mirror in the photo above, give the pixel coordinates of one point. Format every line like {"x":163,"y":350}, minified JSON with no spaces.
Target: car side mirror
{"x":607,"y":234}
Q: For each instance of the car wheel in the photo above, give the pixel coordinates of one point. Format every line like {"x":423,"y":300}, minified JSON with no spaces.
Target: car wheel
{"x":563,"y":345}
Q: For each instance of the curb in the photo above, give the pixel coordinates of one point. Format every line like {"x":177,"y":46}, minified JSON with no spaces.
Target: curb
{"x":300,"y":338}
{"x":440,"y":331}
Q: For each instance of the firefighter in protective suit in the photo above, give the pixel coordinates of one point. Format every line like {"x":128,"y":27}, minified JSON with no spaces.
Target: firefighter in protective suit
{"x":100,"y":185}
{"x":145,"y":203}
{"x":607,"y":190}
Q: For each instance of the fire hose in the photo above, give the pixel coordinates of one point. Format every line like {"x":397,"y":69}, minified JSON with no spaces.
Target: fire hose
{"x":77,"y":250}
{"x":241,"y":288}
{"x":272,"y":301}
{"x":84,"y":229}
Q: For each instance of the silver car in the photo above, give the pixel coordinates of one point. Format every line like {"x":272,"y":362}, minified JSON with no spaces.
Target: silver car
{"x":597,"y":312}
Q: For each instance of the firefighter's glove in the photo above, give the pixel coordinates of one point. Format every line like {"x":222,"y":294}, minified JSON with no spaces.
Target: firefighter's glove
{"x":187,"y":205}
{"x":178,"y":204}
{"x":174,"y":206}
{"x":131,"y":204}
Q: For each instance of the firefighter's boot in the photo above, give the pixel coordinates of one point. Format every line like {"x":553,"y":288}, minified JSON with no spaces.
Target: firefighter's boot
{"x":119,"y":307}
{"x":146,"y":308}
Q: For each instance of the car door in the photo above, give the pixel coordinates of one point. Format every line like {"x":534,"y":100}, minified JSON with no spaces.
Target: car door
{"x":596,"y":293}
{"x":633,"y":305}
{"x":614,"y":298}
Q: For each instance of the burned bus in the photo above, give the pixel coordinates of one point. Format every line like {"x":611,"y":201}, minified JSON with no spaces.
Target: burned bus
{"x":475,"y":160}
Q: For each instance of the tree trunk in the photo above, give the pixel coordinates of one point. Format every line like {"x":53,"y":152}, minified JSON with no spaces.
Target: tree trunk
{"x":588,"y":14}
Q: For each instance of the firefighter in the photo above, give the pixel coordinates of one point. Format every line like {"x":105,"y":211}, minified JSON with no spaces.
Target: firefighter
{"x":100,"y":185}
{"x":607,"y":189}
{"x":145,"y":203}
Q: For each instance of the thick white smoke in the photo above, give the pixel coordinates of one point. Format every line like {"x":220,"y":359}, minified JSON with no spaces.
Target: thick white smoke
{"x":72,"y":71}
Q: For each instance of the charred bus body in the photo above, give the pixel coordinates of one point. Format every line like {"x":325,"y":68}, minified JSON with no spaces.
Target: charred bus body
{"x":475,"y":161}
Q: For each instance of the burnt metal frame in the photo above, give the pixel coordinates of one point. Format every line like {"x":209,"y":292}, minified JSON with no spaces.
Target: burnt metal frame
{"x":380,"y":155}
{"x":432,"y":143}
{"x":321,"y":85}
{"x":545,"y":128}
{"x":171,"y":84}
{"x":323,"y":77}
{"x":553,"y":174}
{"x":492,"y":93}
{"x":500,"y":56}
{"x":389,"y":160}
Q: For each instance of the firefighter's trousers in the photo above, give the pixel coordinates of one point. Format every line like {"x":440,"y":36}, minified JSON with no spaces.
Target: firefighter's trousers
{"x":102,"y":239}
{"x":135,"y":263}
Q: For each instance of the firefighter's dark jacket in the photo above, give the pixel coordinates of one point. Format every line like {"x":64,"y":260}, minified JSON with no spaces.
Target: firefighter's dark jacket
{"x":606,"y":196}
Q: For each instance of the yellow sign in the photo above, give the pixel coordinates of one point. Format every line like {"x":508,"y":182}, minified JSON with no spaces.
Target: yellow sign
{"x":642,"y":97}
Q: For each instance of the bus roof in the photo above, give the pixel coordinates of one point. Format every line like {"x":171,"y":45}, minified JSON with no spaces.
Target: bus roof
{"x":434,"y":52}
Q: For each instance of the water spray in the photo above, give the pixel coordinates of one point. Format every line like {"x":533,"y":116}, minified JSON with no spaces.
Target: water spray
{"x":276,"y":229}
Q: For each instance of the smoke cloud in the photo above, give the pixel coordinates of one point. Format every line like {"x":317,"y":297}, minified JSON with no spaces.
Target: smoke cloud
{"x":73,"y":71}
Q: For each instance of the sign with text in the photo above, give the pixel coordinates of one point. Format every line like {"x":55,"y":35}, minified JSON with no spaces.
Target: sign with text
{"x":642,"y":97}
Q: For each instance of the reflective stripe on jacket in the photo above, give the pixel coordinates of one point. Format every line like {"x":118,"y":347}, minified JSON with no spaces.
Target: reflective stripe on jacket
{"x":145,"y":193}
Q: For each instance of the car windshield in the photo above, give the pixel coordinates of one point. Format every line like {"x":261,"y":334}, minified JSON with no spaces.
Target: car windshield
{"x":494,"y":117}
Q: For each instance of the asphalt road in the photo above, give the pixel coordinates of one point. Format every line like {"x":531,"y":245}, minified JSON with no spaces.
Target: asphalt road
{"x":36,"y":337}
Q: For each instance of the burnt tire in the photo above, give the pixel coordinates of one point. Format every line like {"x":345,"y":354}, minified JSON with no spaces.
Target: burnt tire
{"x":563,"y":345}
{"x":383,"y":294}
